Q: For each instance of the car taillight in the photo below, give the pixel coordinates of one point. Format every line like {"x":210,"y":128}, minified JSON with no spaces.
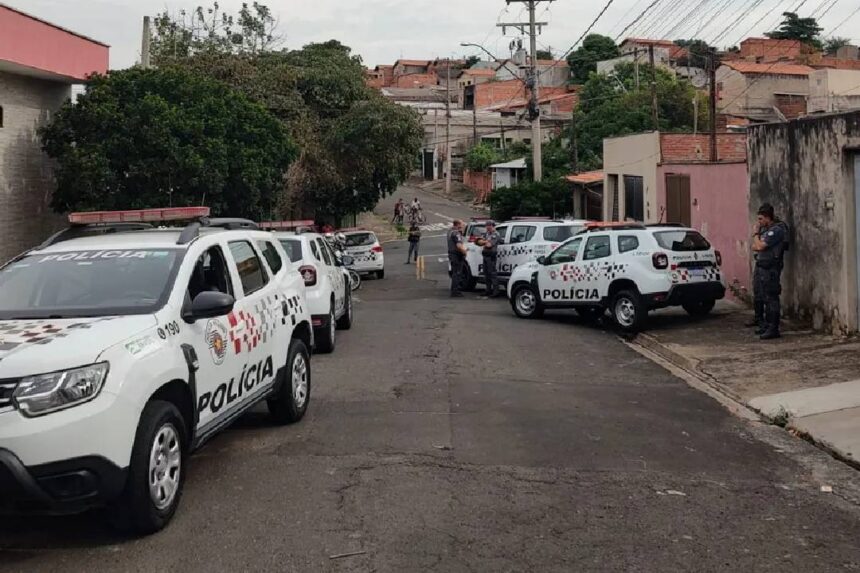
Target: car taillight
{"x":660,"y":260}
{"x":309,"y":274}
{"x":472,"y":238}
{"x":719,"y":258}
{"x":377,"y":249}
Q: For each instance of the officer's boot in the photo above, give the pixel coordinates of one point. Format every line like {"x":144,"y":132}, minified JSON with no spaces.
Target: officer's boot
{"x":758,"y":320}
{"x":772,"y":330}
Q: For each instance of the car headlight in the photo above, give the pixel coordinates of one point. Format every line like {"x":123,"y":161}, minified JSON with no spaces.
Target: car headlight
{"x":45,"y":393}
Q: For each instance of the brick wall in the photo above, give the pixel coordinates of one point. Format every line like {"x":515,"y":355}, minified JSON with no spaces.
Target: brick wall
{"x":791,"y":106}
{"x":686,"y":147}
{"x":26,"y":180}
{"x":496,"y":93}
{"x":415,"y":80}
{"x":480,"y":182}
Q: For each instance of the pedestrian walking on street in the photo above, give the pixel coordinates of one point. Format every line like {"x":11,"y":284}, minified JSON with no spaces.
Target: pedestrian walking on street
{"x":770,"y":241}
{"x":490,"y":244}
{"x":414,"y":239}
{"x":457,"y":257}
{"x":398,"y":212}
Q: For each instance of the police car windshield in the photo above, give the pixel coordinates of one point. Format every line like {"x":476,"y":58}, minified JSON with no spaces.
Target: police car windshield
{"x":559,"y":233}
{"x":682,"y":240}
{"x":360,"y":239}
{"x":476,"y":230}
{"x":87,"y":283}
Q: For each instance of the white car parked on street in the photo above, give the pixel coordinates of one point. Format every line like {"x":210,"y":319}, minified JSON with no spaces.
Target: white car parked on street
{"x":366,"y":252}
{"x":626,"y":268}
{"x":525,"y":239}
{"x":328,"y":289}
{"x":124,"y":347}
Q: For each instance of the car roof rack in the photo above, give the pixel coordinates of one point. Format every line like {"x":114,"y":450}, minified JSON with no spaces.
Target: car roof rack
{"x":297,"y":226}
{"x":612,"y":226}
{"x":668,"y":225}
{"x":92,"y":229}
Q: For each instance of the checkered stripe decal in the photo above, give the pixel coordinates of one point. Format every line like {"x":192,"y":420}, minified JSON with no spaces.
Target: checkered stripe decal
{"x":515,"y":250}
{"x":15,"y":333}
{"x":249,"y":328}
{"x":591,"y":272}
{"x":683,"y":275}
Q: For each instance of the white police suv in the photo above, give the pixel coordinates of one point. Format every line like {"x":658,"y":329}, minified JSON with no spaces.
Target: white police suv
{"x":627,"y":269}
{"x":525,"y":239}
{"x":366,"y":251}
{"x":124,"y":347}
{"x":327,"y":284}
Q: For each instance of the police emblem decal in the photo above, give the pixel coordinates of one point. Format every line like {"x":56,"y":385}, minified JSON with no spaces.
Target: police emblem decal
{"x":216,"y":340}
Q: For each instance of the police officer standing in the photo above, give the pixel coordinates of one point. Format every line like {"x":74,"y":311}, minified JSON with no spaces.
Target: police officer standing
{"x":769,"y":243}
{"x":457,"y":257}
{"x":490,"y":244}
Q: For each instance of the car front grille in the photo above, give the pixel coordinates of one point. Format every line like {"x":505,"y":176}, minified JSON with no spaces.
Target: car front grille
{"x":7,"y":388}
{"x":696,"y":265}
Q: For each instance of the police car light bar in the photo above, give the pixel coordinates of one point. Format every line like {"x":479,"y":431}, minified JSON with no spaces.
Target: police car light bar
{"x":139,"y":216}
{"x":275,"y":225}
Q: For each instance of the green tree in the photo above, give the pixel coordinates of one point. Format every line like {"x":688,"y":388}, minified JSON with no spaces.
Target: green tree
{"x":548,"y":198}
{"x":610,"y":106}
{"x":832,"y":45}
{"x":544,"y":55}
{"x":594,"y":48}
{"x":481,"y":156}
{"x":471,"y":61}
{"x":793,"y":27}
{"x":152,"y":138}
{"x":698,"y":52}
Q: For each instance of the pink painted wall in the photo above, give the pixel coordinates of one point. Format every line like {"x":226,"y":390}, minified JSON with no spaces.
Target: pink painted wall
{"x":720,"y":210}
{"x":29,"y":42}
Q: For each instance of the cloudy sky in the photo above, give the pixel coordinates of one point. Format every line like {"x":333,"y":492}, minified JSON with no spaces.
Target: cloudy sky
{"x":383,"y":30}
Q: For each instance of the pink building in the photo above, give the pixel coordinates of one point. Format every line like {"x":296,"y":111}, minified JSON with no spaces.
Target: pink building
{"x":668,"y":178}
{"x":39,"y":62}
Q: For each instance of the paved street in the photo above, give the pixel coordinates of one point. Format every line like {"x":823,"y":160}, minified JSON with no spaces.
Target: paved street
{"x":448,"y":435}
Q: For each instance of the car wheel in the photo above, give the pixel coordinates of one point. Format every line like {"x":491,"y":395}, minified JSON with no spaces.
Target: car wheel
{"x":345,"y":321}
{"x":156,"y":473}
{"x":629,"y":311}
{"x":699,"y":307}
{"x":525,"y":302}
{"x":290,"y":405}
{"x":380,"y":274}
{"x":591,"y":313}
{"x":326,"y":335}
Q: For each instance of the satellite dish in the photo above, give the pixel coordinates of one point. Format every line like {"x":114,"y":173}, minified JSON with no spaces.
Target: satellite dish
{"x":699,"y":81}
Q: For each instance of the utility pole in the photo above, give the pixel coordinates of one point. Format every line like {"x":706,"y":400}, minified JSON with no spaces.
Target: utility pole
{"x":636,"y":66}
{"x":655,"y":120}
{"x":502,"y":127}
{"x":533,"y":82}
{"x":144,"y":45}
{"x":712,"y":105}
{"x":474,"y":124}
{"x":448,"y":127}
{"x":574,"y":143}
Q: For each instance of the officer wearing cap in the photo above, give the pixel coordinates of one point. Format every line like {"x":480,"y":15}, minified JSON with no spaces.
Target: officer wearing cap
{"x":490,"y":244}
{"x":457,"y":257}
{"x":769,"y":244}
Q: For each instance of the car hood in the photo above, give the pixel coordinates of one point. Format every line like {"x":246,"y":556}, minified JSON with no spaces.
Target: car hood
{"x":32,"y":346}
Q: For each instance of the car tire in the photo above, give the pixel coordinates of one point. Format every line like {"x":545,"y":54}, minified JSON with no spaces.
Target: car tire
{"x":291,"y":403}
{"x":525,"y":302}
{"x":629,"y":311}
{"x":699,"y":307}
{"x":325,"y":336}
{"x":590,"y":313}
{"x":380,"y":274}
{"x":156,"y":472}
{"x":345,"y":321}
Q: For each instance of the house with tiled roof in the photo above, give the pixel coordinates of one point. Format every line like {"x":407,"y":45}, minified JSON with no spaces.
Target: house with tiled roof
{"x":762,"y":92}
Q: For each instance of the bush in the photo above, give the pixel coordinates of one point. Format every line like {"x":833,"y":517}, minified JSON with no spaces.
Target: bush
{"x":549,"y":198}
{"x":480,"y":157}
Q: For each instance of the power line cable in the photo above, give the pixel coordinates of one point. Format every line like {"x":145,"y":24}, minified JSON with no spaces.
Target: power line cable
{"x":745,"y":34}
{"x":843,"y":22}
{"x":648,"y":25}
{"x":686,"y":19}
{"x":829,"y":8}
{"x":637,"y":19}
{"x":624,"y":17}
{"x":736,"y":21}
{"x":663,"y":18}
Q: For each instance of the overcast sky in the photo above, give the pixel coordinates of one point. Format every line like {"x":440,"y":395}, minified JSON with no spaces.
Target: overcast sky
{"x":383,"y":30}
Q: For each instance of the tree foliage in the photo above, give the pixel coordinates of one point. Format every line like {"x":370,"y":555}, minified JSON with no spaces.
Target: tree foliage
{"x":355,"y":146}
{"x":152,"y":138}
{"x":594,"y":48}
{"x":611,"y":106}
{"x":544,"y":55}
{"x":832,"y":45}
{"x":793,"y":27}
{"x":699,"y":51}
{"x":481,"y":156}
{"x":551,"y":197}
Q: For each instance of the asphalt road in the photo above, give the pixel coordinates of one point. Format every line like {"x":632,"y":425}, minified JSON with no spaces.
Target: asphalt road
{"x":449,"y":435}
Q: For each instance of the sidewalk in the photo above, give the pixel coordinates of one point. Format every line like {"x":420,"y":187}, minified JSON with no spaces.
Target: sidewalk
{"x":807,"y":381}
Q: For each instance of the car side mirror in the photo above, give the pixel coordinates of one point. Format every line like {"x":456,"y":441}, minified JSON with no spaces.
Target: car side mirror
{"x":541,"y":260}
{"x":346,"y":260}
{"x":209,"y":304}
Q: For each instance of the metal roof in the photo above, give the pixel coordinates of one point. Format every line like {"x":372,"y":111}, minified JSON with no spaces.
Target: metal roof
{"x":515,"y":164}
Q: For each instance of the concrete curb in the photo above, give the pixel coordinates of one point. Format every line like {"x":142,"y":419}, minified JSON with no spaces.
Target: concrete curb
{"x":653,"y":346}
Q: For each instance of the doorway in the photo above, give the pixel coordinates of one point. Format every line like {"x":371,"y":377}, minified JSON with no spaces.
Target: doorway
{"x":678,"y":200}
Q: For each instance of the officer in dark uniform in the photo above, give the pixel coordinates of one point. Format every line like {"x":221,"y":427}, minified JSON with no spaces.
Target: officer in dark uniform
{"x":490,"y":244}
{"x":769,"y":243}
{"x":457,"y":257}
